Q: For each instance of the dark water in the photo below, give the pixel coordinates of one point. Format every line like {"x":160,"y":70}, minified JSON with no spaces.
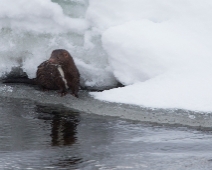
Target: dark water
{"x":51,"y":137}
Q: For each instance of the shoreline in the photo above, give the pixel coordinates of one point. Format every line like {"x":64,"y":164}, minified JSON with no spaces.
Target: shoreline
{"x":87,"y":104}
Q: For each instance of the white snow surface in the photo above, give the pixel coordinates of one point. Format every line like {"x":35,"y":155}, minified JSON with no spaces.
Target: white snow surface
{"x":160,"y":50}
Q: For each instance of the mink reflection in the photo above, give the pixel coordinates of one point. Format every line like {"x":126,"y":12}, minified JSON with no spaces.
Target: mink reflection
{"x":63,"y":124}
{"x":63,"y":130}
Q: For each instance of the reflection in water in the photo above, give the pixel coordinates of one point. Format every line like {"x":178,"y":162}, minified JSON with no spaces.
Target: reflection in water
{"x":63,"y":124}
{"x":64,"y":130}
{"x":73,"y":163}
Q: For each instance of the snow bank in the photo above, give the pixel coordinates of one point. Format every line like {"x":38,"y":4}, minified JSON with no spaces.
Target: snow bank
{"x":40,"y":16}
{"x":160,"y":50}
{"x":30,"y":30}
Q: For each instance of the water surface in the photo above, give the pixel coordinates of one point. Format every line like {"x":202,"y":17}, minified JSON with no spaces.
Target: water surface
{"x":35,"y":136}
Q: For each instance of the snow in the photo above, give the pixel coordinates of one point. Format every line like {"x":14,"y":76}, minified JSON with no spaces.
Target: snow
{"x":162,"y":54}
{"x":160,"y":50}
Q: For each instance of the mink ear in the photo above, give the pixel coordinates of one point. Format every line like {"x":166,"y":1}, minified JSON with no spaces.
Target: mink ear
{"x":65,"y":54}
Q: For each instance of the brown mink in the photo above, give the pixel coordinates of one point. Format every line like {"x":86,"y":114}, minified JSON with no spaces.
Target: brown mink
{"x":59,"y":72}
